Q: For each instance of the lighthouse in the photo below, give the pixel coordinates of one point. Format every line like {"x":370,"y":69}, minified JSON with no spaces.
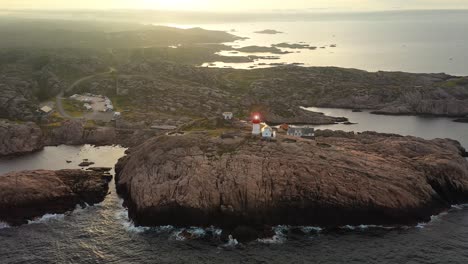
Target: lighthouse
{"x":256,"y":125}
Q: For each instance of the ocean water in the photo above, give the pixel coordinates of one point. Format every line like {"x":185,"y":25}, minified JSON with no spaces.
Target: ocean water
{"x":418,"y":126}
{"x":429,"y":43}
{"x":104,"y":234}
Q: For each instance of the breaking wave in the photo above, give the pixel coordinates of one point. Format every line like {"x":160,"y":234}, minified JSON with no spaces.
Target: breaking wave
{"x":47,"y":218}
{"x":122,"y":216}
{"x":4,"y":225}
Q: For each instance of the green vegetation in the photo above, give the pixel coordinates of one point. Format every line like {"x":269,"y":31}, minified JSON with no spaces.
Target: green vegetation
{"x":72,"y":107}
{"x":455,"y":82}
{"x":121,"y":103}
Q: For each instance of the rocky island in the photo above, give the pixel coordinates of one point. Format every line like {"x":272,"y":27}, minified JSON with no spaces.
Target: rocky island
{"x":338,"y":179}
{"x":26,"y":195}
{"x":269,"y":31}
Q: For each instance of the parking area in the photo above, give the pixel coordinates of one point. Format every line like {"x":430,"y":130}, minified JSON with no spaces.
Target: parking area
{"x":98,"y":107}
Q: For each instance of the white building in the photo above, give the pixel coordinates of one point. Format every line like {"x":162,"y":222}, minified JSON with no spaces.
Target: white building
{"x":306,"y":132}
{"x":228,"y":115}
{"x":46,"y":110}
{"x":268,"y":132}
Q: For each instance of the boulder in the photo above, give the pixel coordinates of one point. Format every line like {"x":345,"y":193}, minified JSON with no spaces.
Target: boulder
{"x":366,"y":178}
{"x":26,"y":195}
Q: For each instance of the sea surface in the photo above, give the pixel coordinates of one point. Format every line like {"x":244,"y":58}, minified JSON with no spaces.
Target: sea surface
{"x":422,"y":43}
{"x":104,"y":234}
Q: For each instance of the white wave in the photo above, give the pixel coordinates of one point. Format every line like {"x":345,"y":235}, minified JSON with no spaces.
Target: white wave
{"x":4,"y":225}
{"x":122,"y":216}
{"x":459,"y":206}
{"x":232,"y":243}
{"x":310,"y":229}
{"x":192,"y":233}
{"x":47,"y":218}
{"x":365,"y":227}
{"x":421,"y":225}
{"x":278,"y":238}
{"x":215,"y":231}
{"x":434,"y":219}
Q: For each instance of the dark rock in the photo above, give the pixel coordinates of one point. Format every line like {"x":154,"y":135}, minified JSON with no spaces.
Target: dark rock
{"x":349,"y":123}
{"x":245,"y":234}
{"x":99,"y":169}
{"x":86,"y":164}
{"x":29,"y":194}
{"x":461,"y":120}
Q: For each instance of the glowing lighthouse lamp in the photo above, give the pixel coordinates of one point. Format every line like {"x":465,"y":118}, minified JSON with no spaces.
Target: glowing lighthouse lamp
{"x":256,"y":124}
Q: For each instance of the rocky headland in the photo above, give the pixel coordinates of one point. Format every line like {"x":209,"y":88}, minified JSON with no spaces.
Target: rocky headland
{"x":338,"y":179}
{"x":26,"y":195}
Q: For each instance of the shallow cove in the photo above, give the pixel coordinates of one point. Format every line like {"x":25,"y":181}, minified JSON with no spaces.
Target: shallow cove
{"x":418,"y":126}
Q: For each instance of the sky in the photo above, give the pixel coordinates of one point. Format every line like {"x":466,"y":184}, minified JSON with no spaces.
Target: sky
{"x":238,"y":5}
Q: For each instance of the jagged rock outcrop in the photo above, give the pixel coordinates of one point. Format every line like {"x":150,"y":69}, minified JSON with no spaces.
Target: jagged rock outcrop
{"x":28,"y":194}
{"x":19,"y":138}
{"x":70,"y":132}
{"x":340,"y":179}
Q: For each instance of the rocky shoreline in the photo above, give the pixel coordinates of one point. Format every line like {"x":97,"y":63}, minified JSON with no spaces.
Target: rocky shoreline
{"x":22,"y":138}
{"x":26,"y":195}
{"x":339,"y":179}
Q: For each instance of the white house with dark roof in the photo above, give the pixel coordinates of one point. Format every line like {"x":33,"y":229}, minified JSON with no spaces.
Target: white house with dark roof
{"x":304,"y":132}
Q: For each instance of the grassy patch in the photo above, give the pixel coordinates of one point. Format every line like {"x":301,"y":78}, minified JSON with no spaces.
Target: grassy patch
{"x":121,"y":103}
{"x":72,"y":107}
{"x":90,"y":124}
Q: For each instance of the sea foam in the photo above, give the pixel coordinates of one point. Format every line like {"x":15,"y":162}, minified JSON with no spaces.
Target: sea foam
{"x":4,"y":225}
{"x":47,"y":218}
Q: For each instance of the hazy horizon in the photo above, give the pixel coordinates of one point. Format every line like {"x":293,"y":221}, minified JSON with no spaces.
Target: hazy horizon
{"x":236,"y":6}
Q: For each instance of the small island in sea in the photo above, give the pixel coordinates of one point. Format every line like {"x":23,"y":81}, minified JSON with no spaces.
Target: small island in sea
{"x":269,"y":31}
{"x":295,"y":46}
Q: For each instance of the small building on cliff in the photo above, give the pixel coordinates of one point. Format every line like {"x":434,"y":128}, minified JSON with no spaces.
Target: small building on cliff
{"x":268,"y":132}
{"x":228,"y":115}
{"x":303,"y":132}
{"x":46,"y":110}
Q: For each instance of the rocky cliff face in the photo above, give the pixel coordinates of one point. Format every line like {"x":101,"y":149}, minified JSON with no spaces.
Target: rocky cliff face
{"x":19,"y":138}
{"x":29,"y":194}
{"x":336,"y":180}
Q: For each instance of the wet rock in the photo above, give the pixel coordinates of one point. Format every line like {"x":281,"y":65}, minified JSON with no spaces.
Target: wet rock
{"x":86,"y":163}
{"x":28,"y":194}
{"x":99,"y":169}
{"x":245,"y":234}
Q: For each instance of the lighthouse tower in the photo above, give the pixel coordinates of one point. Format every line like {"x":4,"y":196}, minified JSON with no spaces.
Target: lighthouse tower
{"x":256,"y":125}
